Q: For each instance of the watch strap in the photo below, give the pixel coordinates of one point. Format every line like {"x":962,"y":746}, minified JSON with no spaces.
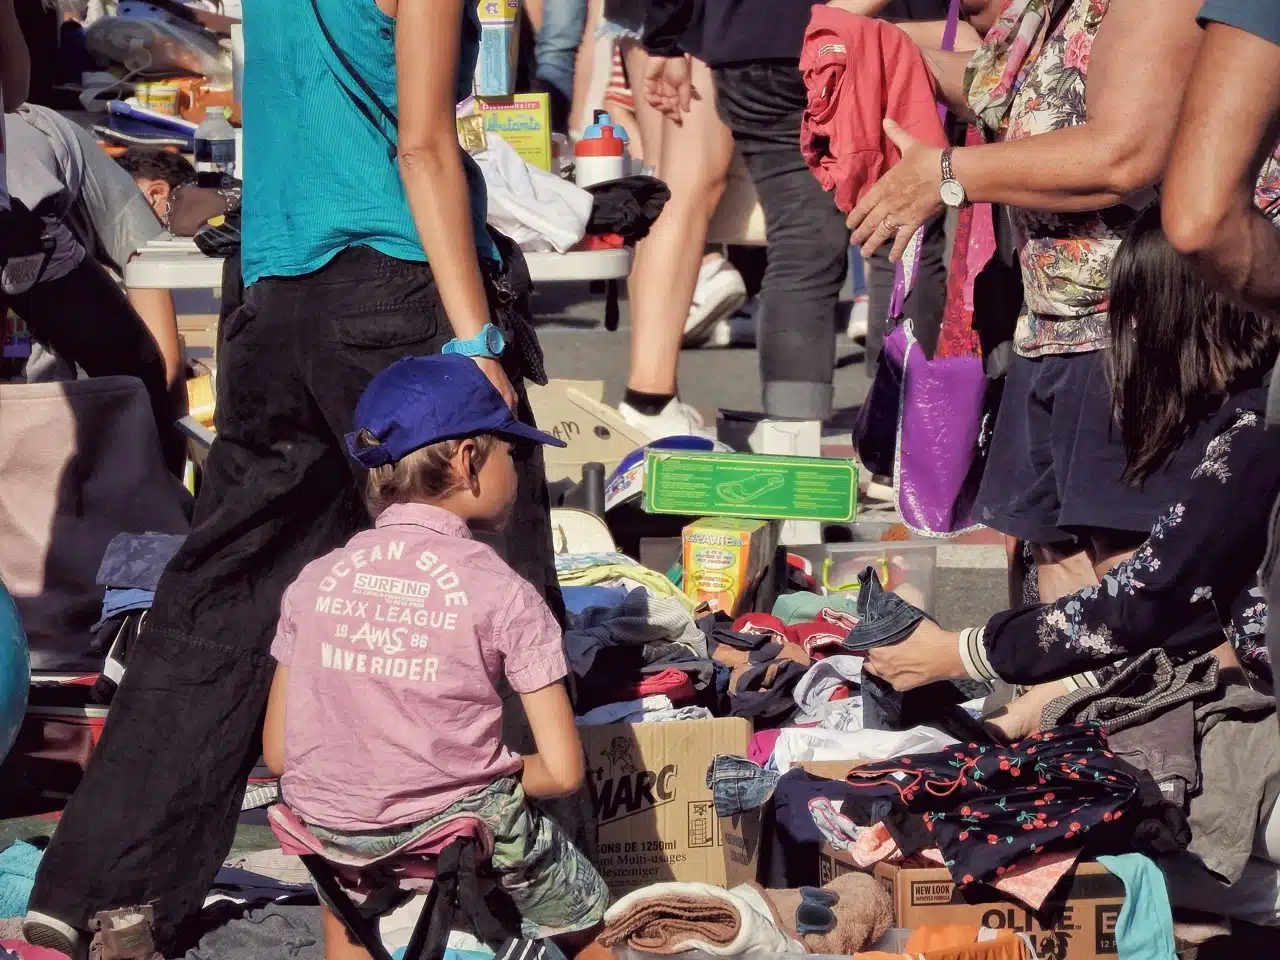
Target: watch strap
{"x":477,"y":346}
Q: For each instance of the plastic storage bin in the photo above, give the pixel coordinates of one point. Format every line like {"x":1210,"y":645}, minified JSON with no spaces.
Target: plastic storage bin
{"x":907,"y":567}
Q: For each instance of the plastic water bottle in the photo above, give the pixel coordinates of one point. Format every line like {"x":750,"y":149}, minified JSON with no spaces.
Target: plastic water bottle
{"x":601,"y":153}
{"x":215,"y":149}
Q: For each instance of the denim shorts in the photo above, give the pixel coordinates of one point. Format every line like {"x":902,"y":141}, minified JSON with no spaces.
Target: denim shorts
{"x":738,"y":785}
{"x":619,"y":31}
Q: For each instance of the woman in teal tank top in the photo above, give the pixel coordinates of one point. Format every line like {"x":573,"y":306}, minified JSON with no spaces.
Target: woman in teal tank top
{"x":364,"y":242}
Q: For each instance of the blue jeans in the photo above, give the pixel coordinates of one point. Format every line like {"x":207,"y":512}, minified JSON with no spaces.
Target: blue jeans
{"x":563,"y":22}
{"x":738,"y":785}
{"x":808,"y":246}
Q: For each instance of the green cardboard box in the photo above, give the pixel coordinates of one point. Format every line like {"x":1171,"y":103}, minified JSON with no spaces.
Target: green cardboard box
{"x":695,"y":484}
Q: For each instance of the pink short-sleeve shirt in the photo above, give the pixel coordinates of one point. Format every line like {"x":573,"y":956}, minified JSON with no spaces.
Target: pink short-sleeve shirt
{"x":394,"y":645}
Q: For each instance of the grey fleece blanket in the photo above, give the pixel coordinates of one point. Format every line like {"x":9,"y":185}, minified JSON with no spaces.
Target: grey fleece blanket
{"x":272,"y":932}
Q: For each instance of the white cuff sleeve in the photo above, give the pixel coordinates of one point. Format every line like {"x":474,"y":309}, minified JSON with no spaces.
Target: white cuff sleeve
{"x":1081,"y":681}
{"x":973,"y":653}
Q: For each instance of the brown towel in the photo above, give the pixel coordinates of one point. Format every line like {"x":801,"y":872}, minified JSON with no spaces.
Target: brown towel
{"x":661,"y":926}
{"x":863,"y":915}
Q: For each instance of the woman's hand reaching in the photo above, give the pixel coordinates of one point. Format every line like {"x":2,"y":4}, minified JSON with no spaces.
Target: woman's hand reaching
{"x":1020,"y":717}
{"x":668,"y":86}
{"x":927,"y":655}
{"x":498,"y":377}
{"x":904,"y":197}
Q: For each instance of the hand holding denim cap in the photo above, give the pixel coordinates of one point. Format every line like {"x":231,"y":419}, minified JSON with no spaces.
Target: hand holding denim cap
{"x":902,"y":644}
{"x":928,"y":654}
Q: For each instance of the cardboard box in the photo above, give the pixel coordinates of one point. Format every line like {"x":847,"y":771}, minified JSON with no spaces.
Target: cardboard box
{"x":695,"y":484}
{"x":524,"y":121}
{"x":574,"y":411}
{"x":499,"y":47}
{"x":655,"y":820}
{"x":725,"y":561}
{"x":1085,"y":925}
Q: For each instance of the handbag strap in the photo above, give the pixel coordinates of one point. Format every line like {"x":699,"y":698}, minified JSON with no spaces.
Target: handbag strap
{"x":897,"y":302}
{"x":387,"y":113}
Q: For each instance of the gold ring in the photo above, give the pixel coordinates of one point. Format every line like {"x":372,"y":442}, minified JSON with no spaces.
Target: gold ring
{"x":890,"y":225}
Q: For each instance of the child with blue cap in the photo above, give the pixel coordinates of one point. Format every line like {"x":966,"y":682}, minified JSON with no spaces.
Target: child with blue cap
{"x":384,"y":719}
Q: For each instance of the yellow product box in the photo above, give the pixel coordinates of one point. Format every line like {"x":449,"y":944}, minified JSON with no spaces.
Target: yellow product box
{"x":524,"y":121}
{"x":498,"y":11}
{"x":499,"y":47}
{"x":727,"y":562}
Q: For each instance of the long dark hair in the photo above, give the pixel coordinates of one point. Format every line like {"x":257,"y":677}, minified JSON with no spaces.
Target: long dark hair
{"x":1178,"y":347}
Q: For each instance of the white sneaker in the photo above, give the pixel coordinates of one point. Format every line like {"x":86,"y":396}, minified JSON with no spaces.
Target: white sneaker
{"x":676,"y":420}
{"x":718,"y":295}
{"x":43,"y":930}
{"x":857,"y":329}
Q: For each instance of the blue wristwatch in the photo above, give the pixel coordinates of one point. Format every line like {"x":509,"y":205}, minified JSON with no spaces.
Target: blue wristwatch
{"x":488,"y":344}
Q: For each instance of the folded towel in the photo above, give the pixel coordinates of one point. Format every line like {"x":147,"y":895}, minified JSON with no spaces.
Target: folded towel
{"x":670,"y":918}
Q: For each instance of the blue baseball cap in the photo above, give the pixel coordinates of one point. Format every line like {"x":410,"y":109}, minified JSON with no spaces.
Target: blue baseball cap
{"x":419,"y":401}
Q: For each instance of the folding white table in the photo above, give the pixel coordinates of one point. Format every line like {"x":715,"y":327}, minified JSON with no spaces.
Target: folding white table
{"x":174,"y":263}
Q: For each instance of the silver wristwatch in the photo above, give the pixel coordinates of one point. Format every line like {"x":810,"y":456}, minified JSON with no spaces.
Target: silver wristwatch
{"x":952,"y":192}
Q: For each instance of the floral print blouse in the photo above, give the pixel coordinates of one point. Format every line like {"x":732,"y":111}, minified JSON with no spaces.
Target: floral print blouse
{"x":1194,"y":580}
{"x":1066,"y":257}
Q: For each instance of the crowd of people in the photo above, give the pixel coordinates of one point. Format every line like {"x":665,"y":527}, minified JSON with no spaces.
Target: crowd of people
{"x":1127,"y":152}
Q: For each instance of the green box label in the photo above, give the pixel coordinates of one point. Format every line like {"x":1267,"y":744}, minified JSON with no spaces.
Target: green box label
{"x":750,"y":485}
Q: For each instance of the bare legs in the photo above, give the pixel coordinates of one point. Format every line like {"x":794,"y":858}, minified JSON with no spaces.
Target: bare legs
{"x":693,"y":161}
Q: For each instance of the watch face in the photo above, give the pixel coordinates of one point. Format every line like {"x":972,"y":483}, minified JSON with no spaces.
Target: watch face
{"x":493,"y":340}
{"x":952,"y":193}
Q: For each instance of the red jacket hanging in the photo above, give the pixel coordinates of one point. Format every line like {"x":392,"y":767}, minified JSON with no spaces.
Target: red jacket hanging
{"x":857,"y":72}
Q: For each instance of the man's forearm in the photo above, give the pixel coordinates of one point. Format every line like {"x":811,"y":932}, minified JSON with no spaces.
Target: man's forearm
{"x":1242,"y":259}
{"x":1227,"y":130}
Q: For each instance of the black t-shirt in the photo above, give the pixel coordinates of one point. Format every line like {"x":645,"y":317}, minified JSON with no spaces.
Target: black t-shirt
{"x":743,"y":31}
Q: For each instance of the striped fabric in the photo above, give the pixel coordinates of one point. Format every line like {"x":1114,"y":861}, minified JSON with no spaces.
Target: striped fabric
{"x":619,"y":91}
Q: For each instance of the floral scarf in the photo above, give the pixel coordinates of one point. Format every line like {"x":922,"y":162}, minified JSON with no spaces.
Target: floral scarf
{"x":1014,"y":40}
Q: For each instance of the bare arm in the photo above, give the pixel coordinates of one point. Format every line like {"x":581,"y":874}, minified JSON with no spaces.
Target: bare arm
{"x":15,"y":61}
{"x":948,"y":69}
{"x":428,"y":40}
{"x":557,"y":769}
{"x":928,"y":33}
{"x":1229,"y":125}
{"x":1137,"y":75}
{"x":155,"y":307}
{"x":273,"y":726}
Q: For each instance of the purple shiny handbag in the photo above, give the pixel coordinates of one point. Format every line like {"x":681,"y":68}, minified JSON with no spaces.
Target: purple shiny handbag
{"x":922,"y":418}
{"x":921,"y":424}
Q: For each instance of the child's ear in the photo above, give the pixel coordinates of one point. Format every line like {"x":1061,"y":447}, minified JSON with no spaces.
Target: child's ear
{"x":464,"y":462}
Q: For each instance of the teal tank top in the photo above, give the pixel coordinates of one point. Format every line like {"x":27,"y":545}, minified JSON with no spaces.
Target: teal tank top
{"x":319,"y":174}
